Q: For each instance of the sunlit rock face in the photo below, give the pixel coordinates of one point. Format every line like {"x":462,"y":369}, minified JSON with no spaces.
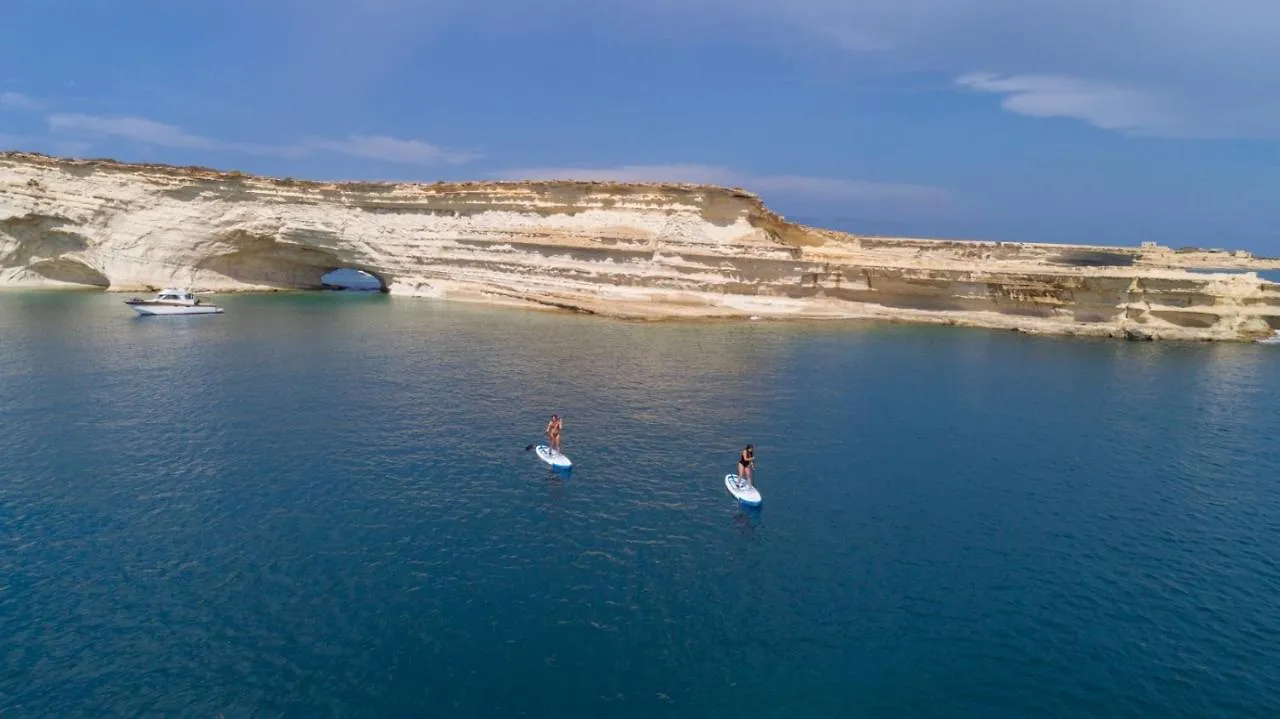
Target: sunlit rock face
{"x":625,"y":250}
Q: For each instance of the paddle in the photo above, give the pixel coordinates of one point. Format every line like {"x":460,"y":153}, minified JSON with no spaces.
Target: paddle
{"x":528,"y":448}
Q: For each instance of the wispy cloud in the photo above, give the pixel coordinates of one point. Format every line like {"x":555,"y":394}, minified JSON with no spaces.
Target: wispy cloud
{"x":391,"y":149}
{"x":1101,"y":104}
{"x":17,"y":101}
{"x":130,"y":128}
{"x":824,"y":189}
{"x":1166,"y":68}
{"x":1143,"y":112}
{"x":160,"y":134}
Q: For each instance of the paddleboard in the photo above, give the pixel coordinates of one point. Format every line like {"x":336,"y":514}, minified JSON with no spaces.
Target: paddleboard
{"x":552,"y":457}
{"x":739,"y":488}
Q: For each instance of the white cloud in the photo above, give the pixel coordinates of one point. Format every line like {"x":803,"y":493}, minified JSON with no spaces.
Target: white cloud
{"x":17,"y":101}
{"x":1100,"y":103}
{"x":1133,"y":111}
{"x":137,"y":129}
{"x":391,"y":149}
{"x":1169,"y":68}
{"x":822,"y":189}
{"x":159,"y":134}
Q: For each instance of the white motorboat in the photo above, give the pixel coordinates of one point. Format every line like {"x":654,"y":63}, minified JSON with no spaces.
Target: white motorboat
{"x":1272,"y":340}
{"x":170,"y":301}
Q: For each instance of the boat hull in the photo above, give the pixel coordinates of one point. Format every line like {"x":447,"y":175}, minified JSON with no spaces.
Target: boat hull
{"x":148,"y":310}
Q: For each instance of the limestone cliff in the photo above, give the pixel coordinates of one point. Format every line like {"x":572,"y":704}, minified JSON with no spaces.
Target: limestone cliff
{"x":627,"y":250}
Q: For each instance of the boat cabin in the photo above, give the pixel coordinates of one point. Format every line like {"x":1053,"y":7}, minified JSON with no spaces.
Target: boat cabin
{"x":172,"y":295}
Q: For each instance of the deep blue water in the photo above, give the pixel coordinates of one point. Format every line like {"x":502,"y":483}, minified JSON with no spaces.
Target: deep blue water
{"x":321,"y":506}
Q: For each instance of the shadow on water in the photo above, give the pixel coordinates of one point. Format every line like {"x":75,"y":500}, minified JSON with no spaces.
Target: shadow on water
{"x":748,"y":519}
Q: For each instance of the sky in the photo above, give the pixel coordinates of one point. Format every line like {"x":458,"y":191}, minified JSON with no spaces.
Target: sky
{"x":1102,"y":121}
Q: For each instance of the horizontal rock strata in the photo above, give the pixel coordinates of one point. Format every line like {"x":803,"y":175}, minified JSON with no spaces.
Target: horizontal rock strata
{"x":624,"y":250}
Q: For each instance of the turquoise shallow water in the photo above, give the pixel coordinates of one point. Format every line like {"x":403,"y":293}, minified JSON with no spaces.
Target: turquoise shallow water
{"x":320,"y":506}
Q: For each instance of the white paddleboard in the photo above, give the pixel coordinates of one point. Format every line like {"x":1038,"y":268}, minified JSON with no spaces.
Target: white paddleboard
{"x":739,"y":488}
{"x":552,"y":457}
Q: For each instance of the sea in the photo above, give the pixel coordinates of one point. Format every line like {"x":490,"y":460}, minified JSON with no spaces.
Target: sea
{"x":323,"y":505}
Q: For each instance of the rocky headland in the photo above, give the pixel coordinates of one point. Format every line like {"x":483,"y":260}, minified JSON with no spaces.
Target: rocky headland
{"x":648,"y":251}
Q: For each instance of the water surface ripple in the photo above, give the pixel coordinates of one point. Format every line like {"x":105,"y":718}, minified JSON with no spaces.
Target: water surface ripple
{"x":321,"y":506}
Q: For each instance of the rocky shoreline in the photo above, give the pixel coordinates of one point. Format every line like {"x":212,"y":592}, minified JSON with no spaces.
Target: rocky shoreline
{"x":637,"y":251}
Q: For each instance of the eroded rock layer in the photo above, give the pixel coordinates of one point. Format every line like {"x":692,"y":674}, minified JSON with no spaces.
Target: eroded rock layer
{"x":626,"y":250}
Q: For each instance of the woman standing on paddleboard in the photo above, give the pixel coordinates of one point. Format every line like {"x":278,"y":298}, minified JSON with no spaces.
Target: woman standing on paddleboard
{"x":746,"y":462}
{"x":553,"y":432}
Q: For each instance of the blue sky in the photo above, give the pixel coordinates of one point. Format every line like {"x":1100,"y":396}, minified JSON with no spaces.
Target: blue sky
{"x":1110,"y":121}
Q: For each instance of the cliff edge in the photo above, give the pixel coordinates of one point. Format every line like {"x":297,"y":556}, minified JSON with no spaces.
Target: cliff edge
{"x":625,"y":250}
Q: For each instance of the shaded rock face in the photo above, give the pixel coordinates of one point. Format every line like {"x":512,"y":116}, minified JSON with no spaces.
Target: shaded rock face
{"x":626,"y":250}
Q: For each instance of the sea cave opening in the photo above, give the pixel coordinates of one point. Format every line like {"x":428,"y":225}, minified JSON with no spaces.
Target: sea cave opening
{"x":351,"y":279}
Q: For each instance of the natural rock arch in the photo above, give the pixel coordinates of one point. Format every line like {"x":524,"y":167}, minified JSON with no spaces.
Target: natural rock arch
{"x":263,"y":260}
{"x":353,"y":278}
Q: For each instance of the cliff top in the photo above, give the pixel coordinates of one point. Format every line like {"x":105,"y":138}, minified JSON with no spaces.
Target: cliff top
{"x":790,"y":232}
{"x":207,"y":173}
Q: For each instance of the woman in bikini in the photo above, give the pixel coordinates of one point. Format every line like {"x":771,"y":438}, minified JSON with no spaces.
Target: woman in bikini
{"x":553,"y":433}
{"x":746,"y":462}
